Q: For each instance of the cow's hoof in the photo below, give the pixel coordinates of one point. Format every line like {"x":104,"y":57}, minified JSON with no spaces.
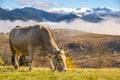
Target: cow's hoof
{"x":65,"y":70}
{"x":30,"y":69}
{"x":16,"y":67}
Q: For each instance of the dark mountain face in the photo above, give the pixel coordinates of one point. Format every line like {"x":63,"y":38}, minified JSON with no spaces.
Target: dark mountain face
{"x":102,"y":9}
{"x":34,"y":14}
{"x":92,"y":17}
{"x":29,"y":13}
{"x":5,"y":15}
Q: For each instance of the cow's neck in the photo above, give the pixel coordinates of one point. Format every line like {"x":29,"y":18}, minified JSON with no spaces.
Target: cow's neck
{"x":54,"y":48}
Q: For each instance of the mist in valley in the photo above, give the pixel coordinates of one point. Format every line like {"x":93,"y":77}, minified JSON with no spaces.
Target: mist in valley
{"x":109,"y":26}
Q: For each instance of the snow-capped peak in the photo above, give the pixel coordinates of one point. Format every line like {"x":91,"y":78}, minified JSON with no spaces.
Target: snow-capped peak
{"x":112,"y":9}
{"x":68,"y":10}
{"x":61,"y":10}
{"x":84,"y":9}
{"x":78,"y":11}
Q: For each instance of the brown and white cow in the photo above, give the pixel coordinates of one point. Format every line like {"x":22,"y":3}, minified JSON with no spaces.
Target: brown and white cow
{"x":27,"y":40}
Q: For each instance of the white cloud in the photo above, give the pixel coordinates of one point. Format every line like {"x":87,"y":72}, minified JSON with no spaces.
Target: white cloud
{"x":39,"y":4}
{"x":110,"y":26}
{"x":6,"y":26}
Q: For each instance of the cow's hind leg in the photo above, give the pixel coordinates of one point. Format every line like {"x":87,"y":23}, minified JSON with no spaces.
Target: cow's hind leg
{"x":30,"y":49}
{"x":15,"y":58}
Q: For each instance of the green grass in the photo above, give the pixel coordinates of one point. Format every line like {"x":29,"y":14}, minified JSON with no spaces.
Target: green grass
{"x":9,"y":73}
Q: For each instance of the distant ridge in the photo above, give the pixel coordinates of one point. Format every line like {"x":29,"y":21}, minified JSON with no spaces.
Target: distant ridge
{"x":59,"y":14}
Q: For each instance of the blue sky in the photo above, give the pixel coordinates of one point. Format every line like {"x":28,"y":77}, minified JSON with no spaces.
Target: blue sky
{"x":46,"y":4}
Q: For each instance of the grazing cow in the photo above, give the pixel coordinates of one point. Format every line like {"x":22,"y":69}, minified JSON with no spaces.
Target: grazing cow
{"x":27,"y":40}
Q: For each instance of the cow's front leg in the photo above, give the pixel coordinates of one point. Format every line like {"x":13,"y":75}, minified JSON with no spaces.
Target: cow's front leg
{"x":51,"y":63}
{"x":30,"y":57}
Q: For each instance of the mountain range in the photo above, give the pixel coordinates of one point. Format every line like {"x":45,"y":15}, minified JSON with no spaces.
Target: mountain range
{"x":59,"y":14}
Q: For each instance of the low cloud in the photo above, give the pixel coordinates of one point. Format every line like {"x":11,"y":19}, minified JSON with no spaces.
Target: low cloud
{"x":110,"y":26}
{"x":6,"y":25}
{"x":38,"y":4}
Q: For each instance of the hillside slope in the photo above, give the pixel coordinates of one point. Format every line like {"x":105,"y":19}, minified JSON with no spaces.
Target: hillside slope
{"x":91,"y":50}
{"x":85,"y":49}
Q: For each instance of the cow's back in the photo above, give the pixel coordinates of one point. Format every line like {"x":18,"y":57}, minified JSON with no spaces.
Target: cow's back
{"x":21,"y":38}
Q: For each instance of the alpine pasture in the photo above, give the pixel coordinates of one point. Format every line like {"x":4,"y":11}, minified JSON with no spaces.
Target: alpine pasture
{"x":9,"y":73}
{"x":90,"y":57}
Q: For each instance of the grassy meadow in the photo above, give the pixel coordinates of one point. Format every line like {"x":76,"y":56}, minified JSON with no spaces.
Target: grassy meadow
{"x":86,"y":50}
{"x":9,"y":73}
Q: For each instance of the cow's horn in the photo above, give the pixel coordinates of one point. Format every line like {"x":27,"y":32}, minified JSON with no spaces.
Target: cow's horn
{"x":51,"y":55}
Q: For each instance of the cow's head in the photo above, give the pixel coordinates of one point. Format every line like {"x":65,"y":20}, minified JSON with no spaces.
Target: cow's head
{"x":61,"y":60}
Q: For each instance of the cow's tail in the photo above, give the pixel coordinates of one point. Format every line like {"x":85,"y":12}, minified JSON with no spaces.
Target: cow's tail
{"x":13,"y":52}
